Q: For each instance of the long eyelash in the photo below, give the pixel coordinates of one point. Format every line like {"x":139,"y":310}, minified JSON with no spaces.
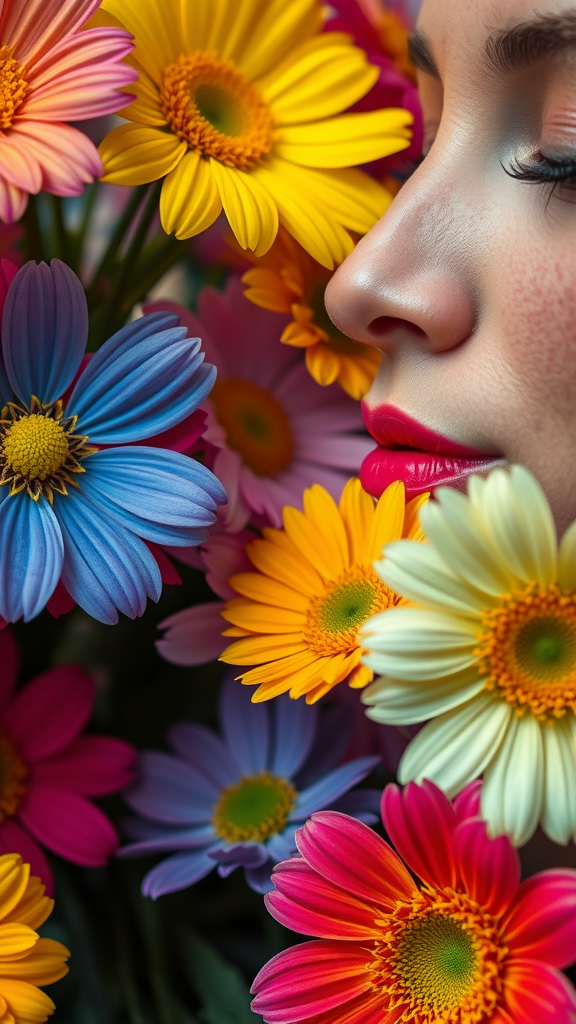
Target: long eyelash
{"x":544,"y":171}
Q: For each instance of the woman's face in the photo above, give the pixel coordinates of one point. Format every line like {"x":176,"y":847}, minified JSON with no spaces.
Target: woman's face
{"x":468,"y":284}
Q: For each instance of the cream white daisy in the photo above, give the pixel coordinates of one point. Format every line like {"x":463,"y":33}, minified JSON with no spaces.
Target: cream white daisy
{"x":488,"y":655}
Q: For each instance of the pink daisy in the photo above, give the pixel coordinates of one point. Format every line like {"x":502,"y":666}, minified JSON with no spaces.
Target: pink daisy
{"x":49,"y":769}
{"x":274,"y":431}
{"x":52,"y":72}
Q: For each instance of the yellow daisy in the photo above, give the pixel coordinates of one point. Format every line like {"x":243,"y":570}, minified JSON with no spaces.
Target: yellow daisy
{"x":26,"y":960}
{"x":239,"y":107}
{"x":300,"y":614}
{"x":288,"y":280}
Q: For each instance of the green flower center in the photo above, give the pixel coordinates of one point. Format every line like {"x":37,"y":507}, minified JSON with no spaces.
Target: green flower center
{"x":437,"y":961}
{"x":335,"y":618}
{"x":546,"y":647}
{"x":219,"y":108}
{"x":347,"y":607}
{"x":254,"y":809}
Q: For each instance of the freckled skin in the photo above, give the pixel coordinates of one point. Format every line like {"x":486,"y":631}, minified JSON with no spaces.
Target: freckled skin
{"x":483,"y":264}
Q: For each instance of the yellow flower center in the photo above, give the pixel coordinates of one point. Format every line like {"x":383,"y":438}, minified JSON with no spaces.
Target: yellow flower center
{"x":38,"y":449}
{"x":335,"y":618}
{"x":528,"y":650}
{"x":440,"y":960}
{"x":254,"y":809}
{"x":210,"y":105}
{"x":256,"y":425}
{"x":13,"y":87}
{"x":13,"y":772}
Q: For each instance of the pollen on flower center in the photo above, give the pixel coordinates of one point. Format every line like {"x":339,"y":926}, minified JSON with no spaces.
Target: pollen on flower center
{"x":256,"y":425}
{"x":528,"y":650}
{"x":35,"y":447}
{"x":254,"y":809}
{"x":13,"y":87}
{"x":13,"y":773}
{"x":336,"y":617}
{"x":210,"y":105}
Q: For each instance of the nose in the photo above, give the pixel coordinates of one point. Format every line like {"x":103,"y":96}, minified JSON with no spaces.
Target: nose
{"x":411,"y":276}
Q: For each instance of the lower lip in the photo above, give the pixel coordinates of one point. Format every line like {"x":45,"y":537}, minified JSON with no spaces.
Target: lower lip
{"x":419,"y":471}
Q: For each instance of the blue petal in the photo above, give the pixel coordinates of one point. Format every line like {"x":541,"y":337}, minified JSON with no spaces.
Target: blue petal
{"x":147,"y":378}
{"x":334,"y":732}
{"x":294,"y":729}
{"x":106,"y":567}
{"x":170,"y":839}
{"x":283,"y":845}
{"x":240,"y":854}
{"x":327,"y":789}
{"x":31,"y":556}
{"x":245,"y":727}
{"x":44,"y":330}
{"x":177,"y":872}
{"x":171,"y":791}
{"x":6,"y":393}
{"x":259,"y":878}
{"x":161,"y":495}
{"x":205,"y":751}
{"x":363,"y":804}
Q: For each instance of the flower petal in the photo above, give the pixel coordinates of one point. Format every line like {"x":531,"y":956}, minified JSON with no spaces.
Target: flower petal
{"x":44,"y":330}
{"x":347,"y":140}
{"x":397,"y":702}
{"x":32,"y":556}
{"x":177,"y":872}
{"x":488,"y":868}
{"x":68,"y":825}
{"x":513,"y":788}
{"x":295,"y":725}
{"x":68,"y":160}
{"x":169,"y":790}
{"x":91,"y":766}
{"x":418,"y":645}
{"x":48,"y":713}
{"x":190,"y":201}
{"x":10,"y":661}
{"x":135,"y":154}
{"x":249,"y":207}
{"x":305,"y":902}
{"x":540,"y":923}
{"x":194,"y":635}
{"x":15,"y":839}
{"x":205,"y":751}
{"x":535,"y":992}
{"x":559,"y":808}
{"x":417,"y":571}
{"x":328,"y":788}
{"x":246,"y":727}
{"x":421,"y":823}
{"x":520,"y":523}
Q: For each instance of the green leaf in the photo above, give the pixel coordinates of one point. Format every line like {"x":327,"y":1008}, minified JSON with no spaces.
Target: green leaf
{"x":220,"y":986}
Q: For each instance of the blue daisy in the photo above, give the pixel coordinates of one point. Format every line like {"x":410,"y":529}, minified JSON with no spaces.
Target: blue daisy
{"x":237,"y":801}
{"x":78,"y":498}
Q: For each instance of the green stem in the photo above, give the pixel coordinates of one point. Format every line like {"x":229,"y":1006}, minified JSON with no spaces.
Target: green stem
{"x":60,"y":239}
{"x":78,"y":239}
{"x":109,"y":258}
{"x":152,"y":269}
{"x":34,"y":241}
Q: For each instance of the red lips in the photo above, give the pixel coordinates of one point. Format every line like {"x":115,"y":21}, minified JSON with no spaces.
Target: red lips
{"x":419,"y":457}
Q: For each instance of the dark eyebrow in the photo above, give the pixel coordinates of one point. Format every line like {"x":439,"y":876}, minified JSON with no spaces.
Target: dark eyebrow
{"x":530,"y":41}
{"x":420,"y":53}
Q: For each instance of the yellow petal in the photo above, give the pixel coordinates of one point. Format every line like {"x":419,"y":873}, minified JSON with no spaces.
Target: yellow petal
{"x":249,"y":207}
{"x":309,"y":677}
{"x":295,"y":572}
{"x":321,"y":510}
{"x":236,"y":631}
{"x":323,"y":77}
{"x":276,"y":32}
{"x":281,"y":669}
{"x":231,"y":25}
{"x":156,"y":30}
{"x":146,"y":107}
{"x":262,"y":618}
{"x":349,"y":196}
{"x":347,"y":140}
{"x":322,"y":364}
{"x":412,"y":528}
{"x":267,"y":289}
{"x":14,"y":878}
{"x":360,"y":677}
{"x":357,"y":510}
{"x":28,"y":1004}
{"x":16,"y":939}
{"x":259,"y":650}
{"x":43,"y":966}
{"x":388,"y":519}
{"x":189,"y":201}
{"x":134,"y":154}
{"x":196,"y":20}
{"x":261,"y":588}
{"x":33,"y":908}
{"x":309,"y":539}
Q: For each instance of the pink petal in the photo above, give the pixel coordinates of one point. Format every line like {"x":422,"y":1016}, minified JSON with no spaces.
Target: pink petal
{"x":225,"y":556}
{"x":13,"y":202}
{"x":168,"y":572}
{"x":541,"y":922}
{"x":49,"y":712}
{"x":181,"y":437}
{"x":229,"y":469}
{"x":91,"y":766}
{"x":69,"y":825}
{"x":420,"y":821}
{"x":310,"y":978}
{"x":194,"y":635}
{"x":9,"y":668}
{"x":18,"y":163}
{"x":60,"y":603}
{"x":307,"y":903}
{"x":8,"y":271}
{"x":489,"y":868}
{"x":14,"y":839}
{"x":350,"y":855}
{"x":67,"y":157}
{"x":467,"y":803}
{"x":537,"y":994}
{"x":33,"y":27}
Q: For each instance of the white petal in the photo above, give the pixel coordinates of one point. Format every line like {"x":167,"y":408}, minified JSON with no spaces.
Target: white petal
{"x":417,"y":571}
{"x":410,"y":643}
{"x":513,"y":788}
{"x":559,"y":812}
{"x":567,"y":559}
{"x":399,"y":703}
{"x":520,"y":523}
{"x":454,"y":749}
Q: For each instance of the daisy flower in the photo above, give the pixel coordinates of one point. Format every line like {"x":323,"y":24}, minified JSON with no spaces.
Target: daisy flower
{"x":469,"y":944}
{"x":240,"y":109}
{"x":273,"y":432}
{"x":53,"y":70}
{"x":49,"y":770}
{"x":300,"y":614}
{"x":288,"y":280}
{"x":237,"y":801}
{"x":78,"y":495}
{"x":490,"y":654}
{"x":26,"y":959}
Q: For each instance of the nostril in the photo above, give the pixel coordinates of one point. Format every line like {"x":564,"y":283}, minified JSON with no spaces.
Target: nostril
{"x":382,"y":326}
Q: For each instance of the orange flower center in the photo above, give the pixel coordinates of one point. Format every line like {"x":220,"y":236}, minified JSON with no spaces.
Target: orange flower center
{"x":335,"y":618}
{"x":13,"y":772}
{"x":440,"y":960}
{"x":256,"y":425}
{"x":13,"y":86}
{"x":210,"y":105}
{"x":528,"y":650}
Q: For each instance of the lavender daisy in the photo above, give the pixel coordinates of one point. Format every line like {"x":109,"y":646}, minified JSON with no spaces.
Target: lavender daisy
{"x":238,"y":800}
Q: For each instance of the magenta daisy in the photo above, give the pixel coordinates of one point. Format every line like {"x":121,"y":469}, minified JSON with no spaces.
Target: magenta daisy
{"x":273,"y":430}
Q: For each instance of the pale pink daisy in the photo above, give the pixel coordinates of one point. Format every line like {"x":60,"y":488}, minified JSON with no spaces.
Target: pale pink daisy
{"x":275,"y":432}
{"x":53,"y":71}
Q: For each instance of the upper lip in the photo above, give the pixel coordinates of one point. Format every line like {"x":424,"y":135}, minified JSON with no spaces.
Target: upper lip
{"x":392,"y":428}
